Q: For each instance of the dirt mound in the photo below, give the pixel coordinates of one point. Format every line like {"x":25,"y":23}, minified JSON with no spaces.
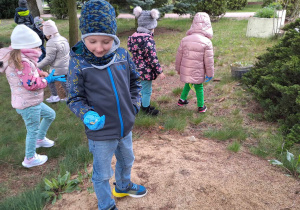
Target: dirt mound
{"x":185,"y":173}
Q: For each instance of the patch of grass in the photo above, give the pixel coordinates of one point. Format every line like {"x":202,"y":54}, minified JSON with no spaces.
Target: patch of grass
{"x":144,"y":121}
{"x":28,"y":200}
{"x":175,"y":123}
{"x":258,"y":116}
{"x":234,"y":146}
{"x":171,"y":73}
{"x":3,"y":189}
{"x":226,"y":133}
{"x":164,"y":99}
{"x":177,"y":91}
{"x":269,"y":144}
{"x":198,"y":119}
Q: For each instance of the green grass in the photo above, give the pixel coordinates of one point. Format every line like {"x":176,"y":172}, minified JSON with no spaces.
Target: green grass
{"x":226,"y":133}
{"x":177,"y":91}
{"x":234,"y":146}
{"x":248,"y":8}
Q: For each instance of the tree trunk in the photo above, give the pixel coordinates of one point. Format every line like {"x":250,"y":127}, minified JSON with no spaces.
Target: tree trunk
{"x":33,"y":8}
{"x":73,"y":22}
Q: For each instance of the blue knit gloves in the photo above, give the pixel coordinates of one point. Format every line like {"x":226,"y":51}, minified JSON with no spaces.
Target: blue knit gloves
{"x":93,"y":121}
{"x":52,"y":78}
{"x":207,"y":79}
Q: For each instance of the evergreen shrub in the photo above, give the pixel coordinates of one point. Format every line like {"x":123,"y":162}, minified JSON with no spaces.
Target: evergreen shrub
{"x":59,"y":8}
{"x":7,"y":8}
{"x":275,"y":83}
{"x":236,"y":4}
{"x":214,"y":8}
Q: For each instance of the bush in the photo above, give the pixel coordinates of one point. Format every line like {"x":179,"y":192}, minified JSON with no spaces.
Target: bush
{"x":59,"y":9}
{"x":266,"y":12}
{"x":116,"y":7}
{"x":275,"y":82}
{"x":291,"y":6}
{"x":7,"y":8}
{"x":267,"y":3}
{"x":236,"y":4}
{"x":213,"y":8}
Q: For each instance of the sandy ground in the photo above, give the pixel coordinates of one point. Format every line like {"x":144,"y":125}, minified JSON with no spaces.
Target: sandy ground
{"x":182,"y":173}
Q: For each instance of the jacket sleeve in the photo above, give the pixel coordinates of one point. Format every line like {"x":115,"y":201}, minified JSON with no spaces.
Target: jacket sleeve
{"x":77,"y":102}
{"x":135,"y":85}
{"x":178,"y":58}
{"x":209,"y":60}
{"x":50,"y":56}
{"x":31,"y":19}
{"x":16,"y":17}
{"x":29,"y":81}
{"x":151,"y":56}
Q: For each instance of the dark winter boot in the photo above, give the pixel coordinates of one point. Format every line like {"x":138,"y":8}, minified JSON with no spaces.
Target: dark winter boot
{"x":150,"y":110}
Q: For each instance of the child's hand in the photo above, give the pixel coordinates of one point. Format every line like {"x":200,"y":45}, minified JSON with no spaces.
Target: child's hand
{"x":207,"y":79}
{"x":162,"y":76}
{"x":51,"y":78}
{"x":93,"y":121}
{"x":43,"y":74}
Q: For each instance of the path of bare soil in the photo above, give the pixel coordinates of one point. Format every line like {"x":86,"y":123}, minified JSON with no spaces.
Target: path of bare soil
{"x":197,"y":175}
{"x":201,"y":174}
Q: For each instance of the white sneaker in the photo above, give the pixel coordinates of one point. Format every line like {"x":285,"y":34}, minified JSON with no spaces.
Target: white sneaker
{"x":37,"y":160}
{"x":53,"y":99}
{"x":44,"y":143}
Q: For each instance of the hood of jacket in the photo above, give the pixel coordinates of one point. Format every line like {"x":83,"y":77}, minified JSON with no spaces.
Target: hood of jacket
{"x":201,"y":25}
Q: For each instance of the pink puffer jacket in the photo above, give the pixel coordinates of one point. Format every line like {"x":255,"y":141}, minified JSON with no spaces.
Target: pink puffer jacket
{"x":27,"y":87}
{"x":195,"y":56}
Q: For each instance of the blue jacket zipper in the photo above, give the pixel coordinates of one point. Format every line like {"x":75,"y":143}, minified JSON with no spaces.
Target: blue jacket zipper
{"x":118,"y":101}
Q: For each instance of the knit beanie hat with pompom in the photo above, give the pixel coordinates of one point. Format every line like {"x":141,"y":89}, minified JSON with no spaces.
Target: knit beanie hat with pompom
{"x":147,"y":20}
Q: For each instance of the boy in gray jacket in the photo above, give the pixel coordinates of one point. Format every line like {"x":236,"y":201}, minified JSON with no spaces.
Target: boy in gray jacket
{"x":104,"y":82}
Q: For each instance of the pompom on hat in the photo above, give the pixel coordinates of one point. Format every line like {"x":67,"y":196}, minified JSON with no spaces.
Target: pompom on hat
{"x":147,"y":20}
{"x":23,"y":37}
{"x":98,"y":17}
{"x":49,"y":28}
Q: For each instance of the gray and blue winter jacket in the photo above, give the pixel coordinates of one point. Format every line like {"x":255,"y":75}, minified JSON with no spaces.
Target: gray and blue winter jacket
{"x":113,"y":91}
{"x":23,"y":16}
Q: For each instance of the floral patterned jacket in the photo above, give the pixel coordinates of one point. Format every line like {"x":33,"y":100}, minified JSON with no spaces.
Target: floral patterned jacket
{"x":142,"y":47}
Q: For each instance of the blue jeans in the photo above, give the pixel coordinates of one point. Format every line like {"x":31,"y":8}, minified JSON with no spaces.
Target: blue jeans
{"x":36,"y":129}
{"x":146,"y":92}
{"x":103,"y":152}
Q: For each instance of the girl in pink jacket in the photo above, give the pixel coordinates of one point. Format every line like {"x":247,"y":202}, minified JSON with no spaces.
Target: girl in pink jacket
{"x":195,"y":59}
{"x":27,"y":83}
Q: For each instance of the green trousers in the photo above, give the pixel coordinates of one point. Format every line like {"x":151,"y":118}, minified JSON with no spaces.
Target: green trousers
{"x":199,"y":93}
